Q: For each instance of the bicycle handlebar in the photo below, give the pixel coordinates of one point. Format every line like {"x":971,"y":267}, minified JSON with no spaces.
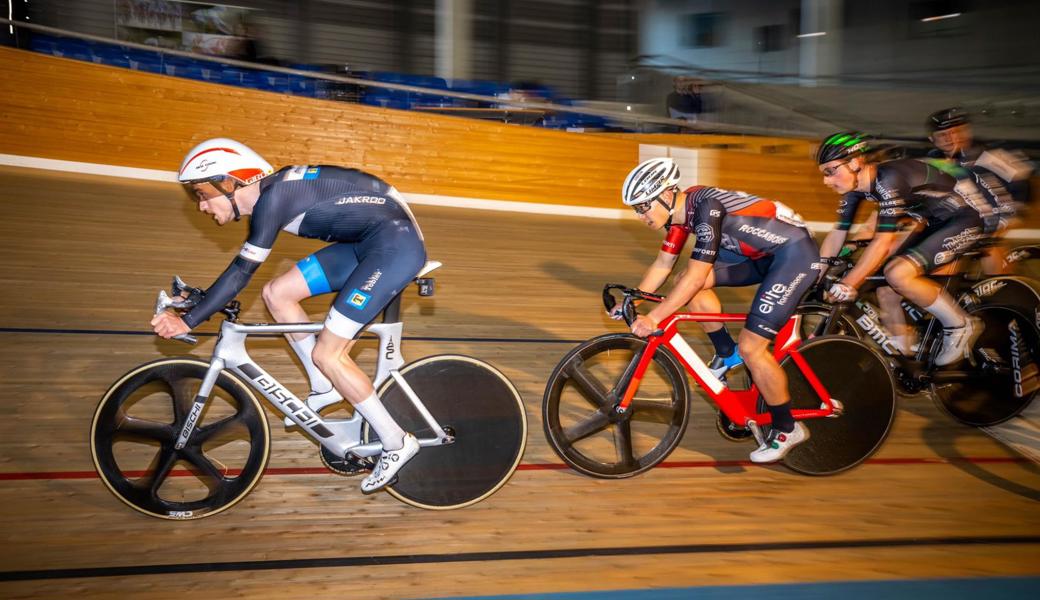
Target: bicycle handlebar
{"x":183,"y":297}
{"x":629,"y":296}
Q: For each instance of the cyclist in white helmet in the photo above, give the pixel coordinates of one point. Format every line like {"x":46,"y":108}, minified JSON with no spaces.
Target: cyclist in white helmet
{"x":741,"y":240}
{"x":376,"y":250}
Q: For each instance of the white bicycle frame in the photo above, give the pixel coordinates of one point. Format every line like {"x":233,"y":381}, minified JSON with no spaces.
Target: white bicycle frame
{"x":338,"y":436}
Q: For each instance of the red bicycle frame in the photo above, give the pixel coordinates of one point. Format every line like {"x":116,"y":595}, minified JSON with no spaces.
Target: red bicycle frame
{"x":740,"y":406}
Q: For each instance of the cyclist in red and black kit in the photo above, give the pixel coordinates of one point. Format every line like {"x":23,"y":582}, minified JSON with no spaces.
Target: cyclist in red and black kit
{"x":375,"y":250}
{"x":952,"y":223}
{"x":741,"y":240}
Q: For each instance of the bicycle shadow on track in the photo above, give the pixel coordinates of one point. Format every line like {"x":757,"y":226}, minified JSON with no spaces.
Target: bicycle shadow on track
{"x":941,"y":434}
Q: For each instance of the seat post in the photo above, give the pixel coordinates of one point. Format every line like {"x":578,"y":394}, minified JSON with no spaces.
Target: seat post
{"x":392,"y":312}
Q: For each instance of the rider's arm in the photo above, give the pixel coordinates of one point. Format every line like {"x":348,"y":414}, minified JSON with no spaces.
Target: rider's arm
{"x":232,"y":281}
{"x":846,"y":214}
{"x":891,"y":188}
{"x":264,"y":225}
{"x":691,"y":282}
{"x":872,"y":258}
{"x":658,"y":272}
{"x":707,"y":216}
{"x":832,"y":243}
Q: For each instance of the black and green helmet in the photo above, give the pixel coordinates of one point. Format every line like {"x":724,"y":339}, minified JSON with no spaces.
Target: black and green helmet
{"x":843,"y":145}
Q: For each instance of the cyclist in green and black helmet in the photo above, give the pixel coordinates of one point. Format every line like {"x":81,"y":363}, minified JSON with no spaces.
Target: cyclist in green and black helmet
{"x":902,"y":188}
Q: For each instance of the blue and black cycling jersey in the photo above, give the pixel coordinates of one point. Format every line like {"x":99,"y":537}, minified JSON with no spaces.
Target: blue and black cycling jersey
{"x":333,"y":204}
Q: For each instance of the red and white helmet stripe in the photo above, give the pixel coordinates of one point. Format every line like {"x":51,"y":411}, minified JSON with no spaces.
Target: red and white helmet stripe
{"x":223,"y":157}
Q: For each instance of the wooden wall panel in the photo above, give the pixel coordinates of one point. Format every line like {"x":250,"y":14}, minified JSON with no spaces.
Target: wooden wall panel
{"x":70,"y":110}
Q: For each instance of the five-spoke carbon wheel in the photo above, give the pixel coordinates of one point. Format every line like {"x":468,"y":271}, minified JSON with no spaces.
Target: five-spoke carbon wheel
{"x":1004,"y":379}
{"x":476,"y":404}
{"x":579,"y":415}
{"x":135,"y":429}
{"x":858,"y":377}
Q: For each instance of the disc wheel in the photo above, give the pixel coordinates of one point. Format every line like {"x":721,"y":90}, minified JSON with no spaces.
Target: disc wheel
{"x":578,"y":412}
{"x":475,"y":403}
{"x":1005,"y":378}
{"x":136,"y":426}
{"x":858,"y":377}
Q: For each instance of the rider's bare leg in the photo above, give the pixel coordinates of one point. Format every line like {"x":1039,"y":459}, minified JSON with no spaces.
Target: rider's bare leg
{"x":894,"y":320}
{"x":766,"y":372}
{"x":906,"y":279}
{"x":707,"y":301}
{"x":283,"y":295}
{"x":332,"y":355}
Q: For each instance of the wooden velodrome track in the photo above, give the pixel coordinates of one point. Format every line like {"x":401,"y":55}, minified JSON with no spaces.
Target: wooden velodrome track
{"x":83,"y":257}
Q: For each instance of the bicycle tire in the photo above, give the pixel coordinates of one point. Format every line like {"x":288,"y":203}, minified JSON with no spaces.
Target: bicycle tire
{"x":1018,"y":293}
{"x":1012,"y":340}
{"x":859,"y":377}
{"x":130,"y":421}
{"x":480,"y":407}
{"x":585,"y":368}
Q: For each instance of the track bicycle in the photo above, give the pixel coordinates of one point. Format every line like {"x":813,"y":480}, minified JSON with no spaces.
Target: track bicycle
{"x":1002,"y":377}
{"x":617,"y":405}
{"x":204,"y":415}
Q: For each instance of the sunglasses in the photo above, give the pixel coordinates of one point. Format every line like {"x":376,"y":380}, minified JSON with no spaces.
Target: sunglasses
{"x":830,"y":171}
{"x":643,"y":207}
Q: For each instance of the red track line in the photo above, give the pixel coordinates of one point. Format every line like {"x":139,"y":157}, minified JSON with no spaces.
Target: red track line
{"x":693,"y":464}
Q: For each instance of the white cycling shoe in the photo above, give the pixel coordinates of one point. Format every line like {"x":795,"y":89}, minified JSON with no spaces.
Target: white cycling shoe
{"x":389,"y":463}
{"x":778,"y":444}
{"x":957,"y":342}
{"x":318,"y":402}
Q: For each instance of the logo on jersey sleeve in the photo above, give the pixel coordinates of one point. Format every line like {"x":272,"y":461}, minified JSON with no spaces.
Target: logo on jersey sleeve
{"x":358,"y":299}
{"x":312,"y":173}
{"x":704,"y":233}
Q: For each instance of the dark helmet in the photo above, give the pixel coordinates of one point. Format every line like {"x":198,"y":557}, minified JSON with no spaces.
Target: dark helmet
{"x":946,"y":118}
{"x":845,"y":144}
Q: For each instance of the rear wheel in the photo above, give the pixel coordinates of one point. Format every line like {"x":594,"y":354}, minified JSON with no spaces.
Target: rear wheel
{"x":578,"y":412}
{"x":856,"y":376}
{"x":476,"y":404}
{"x":1005,"y":378}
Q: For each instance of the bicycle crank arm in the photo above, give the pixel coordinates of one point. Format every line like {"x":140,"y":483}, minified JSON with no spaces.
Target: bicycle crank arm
{"x":374,"y":448}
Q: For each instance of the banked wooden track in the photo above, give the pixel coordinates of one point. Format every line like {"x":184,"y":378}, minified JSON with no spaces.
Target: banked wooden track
{"x":82,"y":259}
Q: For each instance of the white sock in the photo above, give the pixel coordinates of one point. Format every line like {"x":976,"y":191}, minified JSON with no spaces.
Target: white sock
{"x":386,"y":427}
{"x":946,"y":310}
{"x":303,"y":349}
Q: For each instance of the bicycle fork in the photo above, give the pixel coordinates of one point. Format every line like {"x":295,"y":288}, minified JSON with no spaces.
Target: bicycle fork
{"x":215,"y":367}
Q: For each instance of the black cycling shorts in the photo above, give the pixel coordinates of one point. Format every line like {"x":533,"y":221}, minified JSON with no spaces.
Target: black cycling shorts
{"x":368,"y":274}
{"x":784,"y":277}
{"x":941,"y":242}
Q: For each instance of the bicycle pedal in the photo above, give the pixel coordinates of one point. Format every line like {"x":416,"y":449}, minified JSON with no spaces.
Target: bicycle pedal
{"x":989,"y":355}
{"x":347,"y":465}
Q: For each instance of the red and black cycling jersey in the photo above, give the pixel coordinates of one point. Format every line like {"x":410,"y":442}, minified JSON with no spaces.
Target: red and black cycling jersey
{"x":741,"y":223}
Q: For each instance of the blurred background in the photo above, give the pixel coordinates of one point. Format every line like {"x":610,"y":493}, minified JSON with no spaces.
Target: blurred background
{"x":804,"y":67}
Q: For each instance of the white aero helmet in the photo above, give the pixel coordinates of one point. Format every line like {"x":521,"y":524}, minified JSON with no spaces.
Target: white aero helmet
{"x":215,"y":159}
{"x":648,"y":180}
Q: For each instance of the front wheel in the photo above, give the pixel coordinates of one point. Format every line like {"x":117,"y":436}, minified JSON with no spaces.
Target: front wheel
{"x":135,"y":429}
{"x":855,"y":375}
{"x":476,"y":404}
{"x":578,"y":408}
